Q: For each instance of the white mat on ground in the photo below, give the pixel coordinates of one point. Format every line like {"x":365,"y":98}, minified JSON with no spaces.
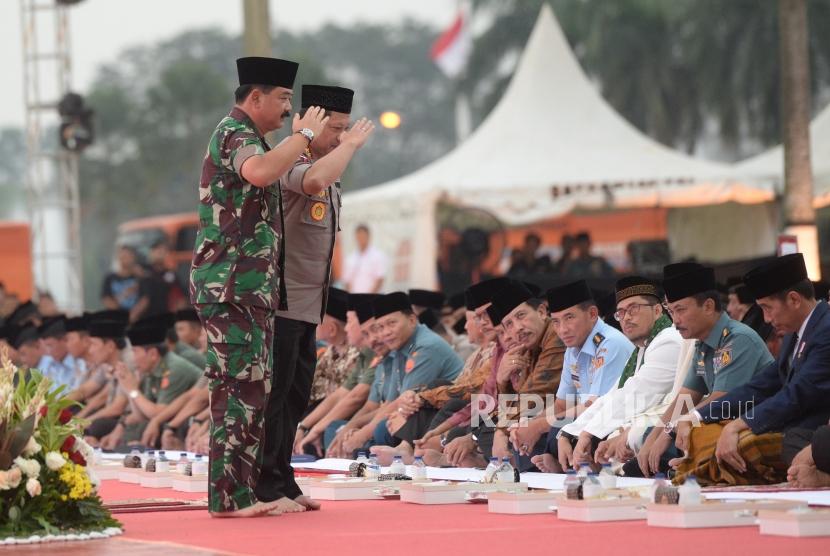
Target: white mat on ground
{"x":551,"y":481}
{"x":812,"y":497}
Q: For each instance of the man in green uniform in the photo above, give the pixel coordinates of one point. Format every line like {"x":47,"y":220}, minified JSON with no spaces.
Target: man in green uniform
{"x":162,"y":376}
{"x":727,"y":355}
{"x":234,"y":278}
{"x":188,"y":331}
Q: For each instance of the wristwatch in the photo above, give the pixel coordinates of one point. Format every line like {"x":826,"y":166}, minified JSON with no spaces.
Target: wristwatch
{"x":670,"y":427}
{"x":134,"y":394}
{"x":307,"y":133}
{"x":302,"y":427}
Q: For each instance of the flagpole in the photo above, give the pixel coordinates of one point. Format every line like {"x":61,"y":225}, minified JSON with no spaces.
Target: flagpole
{"x":463,"y":118}
{"x":463,"y":115}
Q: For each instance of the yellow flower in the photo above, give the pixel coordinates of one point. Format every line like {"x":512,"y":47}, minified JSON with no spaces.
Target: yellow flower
{"x":76,"y":478}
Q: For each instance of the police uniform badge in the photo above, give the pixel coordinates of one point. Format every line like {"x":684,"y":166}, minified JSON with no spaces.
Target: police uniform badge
{"x":598,"y":338}
{"x":598,"y":362}
{"x":318,"y":211}
{"x":165,"y":380}
{"x":700,"y":370}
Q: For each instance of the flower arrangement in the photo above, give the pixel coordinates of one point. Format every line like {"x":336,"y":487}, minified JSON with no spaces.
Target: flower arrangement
{"x":46,"y":487}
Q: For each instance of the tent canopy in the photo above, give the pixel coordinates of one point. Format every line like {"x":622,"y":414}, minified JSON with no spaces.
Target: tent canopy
{"x":768,"y":167}
{"x":553,"y":144}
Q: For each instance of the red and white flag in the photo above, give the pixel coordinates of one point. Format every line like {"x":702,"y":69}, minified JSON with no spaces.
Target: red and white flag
{"x":452,"y":49}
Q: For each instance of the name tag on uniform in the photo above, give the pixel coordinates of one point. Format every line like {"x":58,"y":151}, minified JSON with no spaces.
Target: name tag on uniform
{"x":700,"y":370}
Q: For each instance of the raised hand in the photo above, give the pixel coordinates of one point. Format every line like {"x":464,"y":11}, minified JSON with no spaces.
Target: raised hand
{"x":314,"y":119}
{"x":358,"y":133}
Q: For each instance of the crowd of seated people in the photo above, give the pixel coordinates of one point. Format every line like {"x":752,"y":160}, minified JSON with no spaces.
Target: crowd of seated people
{"x":689,"y":378}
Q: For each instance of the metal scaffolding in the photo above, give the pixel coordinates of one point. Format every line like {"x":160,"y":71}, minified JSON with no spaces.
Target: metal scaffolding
{"x":52,"y":194}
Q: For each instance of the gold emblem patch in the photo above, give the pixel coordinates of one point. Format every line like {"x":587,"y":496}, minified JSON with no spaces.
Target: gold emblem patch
{"x":318,"y":211}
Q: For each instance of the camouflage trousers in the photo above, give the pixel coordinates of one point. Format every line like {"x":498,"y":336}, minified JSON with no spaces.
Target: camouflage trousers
{"x":239,"y":354}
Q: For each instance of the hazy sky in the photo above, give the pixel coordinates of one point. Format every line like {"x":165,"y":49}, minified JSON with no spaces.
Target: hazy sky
{"x":101,"y":29}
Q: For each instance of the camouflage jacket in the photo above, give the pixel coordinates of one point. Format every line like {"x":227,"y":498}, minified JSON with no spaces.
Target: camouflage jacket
{"x":332,"y":370}
{"x":235,"y":259}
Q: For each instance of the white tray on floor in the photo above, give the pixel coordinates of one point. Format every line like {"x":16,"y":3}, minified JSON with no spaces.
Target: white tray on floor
{"x":350,"y":489}
{"x":521,"y":503}
{"x":305,"y":484}
{"x":442,"y":492}
{"x":130,"y":475}
{"x":713,"y":513}
{"x":107,"y":471}
{"x":800,"y":522}
{"x":190,"y":483}
{"x":157,"y":480}
{"x":615,"y":509}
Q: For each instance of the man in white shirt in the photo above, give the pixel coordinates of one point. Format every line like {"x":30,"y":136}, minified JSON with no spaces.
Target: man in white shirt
{"x":365,"y":268}
{"x":647,"y":378}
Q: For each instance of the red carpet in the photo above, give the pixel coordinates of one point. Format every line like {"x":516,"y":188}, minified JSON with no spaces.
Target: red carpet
{"x":389,"y":526}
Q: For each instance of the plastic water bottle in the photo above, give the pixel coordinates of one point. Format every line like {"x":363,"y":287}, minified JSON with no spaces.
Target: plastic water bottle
{"x":689,"y":492}
{"x":572,"y":485}
{"x":591,"y":488}
{"x":584,"y":470}
{"x":491,"y":471}
{"x":606,"y":477}
{"x":181,"y":465}
{"x":200,"y":466}
{"x":505,"y":474}
{"x":372,"y":468}
{"x":397,"y":467}
{"x":419,"y":469}
{"x":151,"y":456}
{"x":361,"y":458}
{"x":162,"y":463}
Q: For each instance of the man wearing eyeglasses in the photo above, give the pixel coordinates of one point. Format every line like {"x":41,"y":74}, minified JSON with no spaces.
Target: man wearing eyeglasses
{"x":648,"y":376}
{"x":727,"y":355}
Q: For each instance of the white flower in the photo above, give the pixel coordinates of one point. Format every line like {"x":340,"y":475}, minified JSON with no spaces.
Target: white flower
{"x":54,"y":461}
{"x":33,"y":487}
{"x":30,"y":467}
{"x":32,"y":447}
{"x":93,"y":478}
{"x":14,"y":477}
{"x":85,"y":449}
{"x":4,"y":480}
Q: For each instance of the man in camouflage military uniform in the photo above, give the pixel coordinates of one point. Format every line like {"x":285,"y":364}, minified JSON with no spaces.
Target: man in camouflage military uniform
{"x":311,"y":200}
{"x":234,"y":277}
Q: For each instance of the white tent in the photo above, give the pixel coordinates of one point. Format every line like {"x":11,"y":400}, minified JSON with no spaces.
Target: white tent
{"x":551,"y":133}
{"x":769,"y":165}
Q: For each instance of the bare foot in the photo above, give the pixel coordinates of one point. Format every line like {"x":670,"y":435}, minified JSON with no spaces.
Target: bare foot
{"x":286,"y":505}
{"x":257,"y":510}
{"x":807,"y":476}
{"x":434,"y":458}
{"x":546,"y":463}
{"x":386,"y":454}
{"x":309,"y":503}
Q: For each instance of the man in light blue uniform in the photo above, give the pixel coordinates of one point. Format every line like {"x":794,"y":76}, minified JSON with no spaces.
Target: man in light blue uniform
{"x":56,"y":364}
{"x":596,"y":354}
{"x":595,"y":358}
